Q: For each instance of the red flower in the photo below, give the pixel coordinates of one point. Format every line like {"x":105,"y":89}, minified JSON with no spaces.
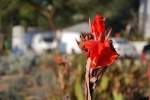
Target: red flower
{"x":98,"y":27}
{"x":59,"y":60}
{"x":96,"y":47}
{"x":99,"y":50}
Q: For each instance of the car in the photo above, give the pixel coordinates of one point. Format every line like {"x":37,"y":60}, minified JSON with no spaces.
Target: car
{"x":43,"y":42}
{"x":124,"y":48}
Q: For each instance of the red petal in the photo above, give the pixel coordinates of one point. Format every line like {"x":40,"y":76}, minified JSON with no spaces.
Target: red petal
{"x":98,"y":27}
{"x":92,"y":44}
{"x":106,"y":55}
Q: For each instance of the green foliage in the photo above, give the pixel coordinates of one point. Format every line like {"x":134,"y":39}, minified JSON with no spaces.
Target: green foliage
{"x":61,"y":14}
{"x":8,"y":6}
{"x":12,"y":94}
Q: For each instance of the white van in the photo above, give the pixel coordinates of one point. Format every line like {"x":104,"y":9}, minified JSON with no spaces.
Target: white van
{"x":43,"y":42}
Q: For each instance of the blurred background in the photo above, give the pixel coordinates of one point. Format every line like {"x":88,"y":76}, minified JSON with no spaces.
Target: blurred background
{"x":40,"y":60}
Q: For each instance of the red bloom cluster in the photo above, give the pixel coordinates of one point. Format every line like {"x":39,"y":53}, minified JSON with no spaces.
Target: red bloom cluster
{"x":60,"y":60}
{"x":96,"y":46}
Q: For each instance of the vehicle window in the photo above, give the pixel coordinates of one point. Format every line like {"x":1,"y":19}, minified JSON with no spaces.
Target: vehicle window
{"x":48,"y":39}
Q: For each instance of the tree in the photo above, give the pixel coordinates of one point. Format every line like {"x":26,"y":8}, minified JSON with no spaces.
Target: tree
{"x":59,"y":13}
